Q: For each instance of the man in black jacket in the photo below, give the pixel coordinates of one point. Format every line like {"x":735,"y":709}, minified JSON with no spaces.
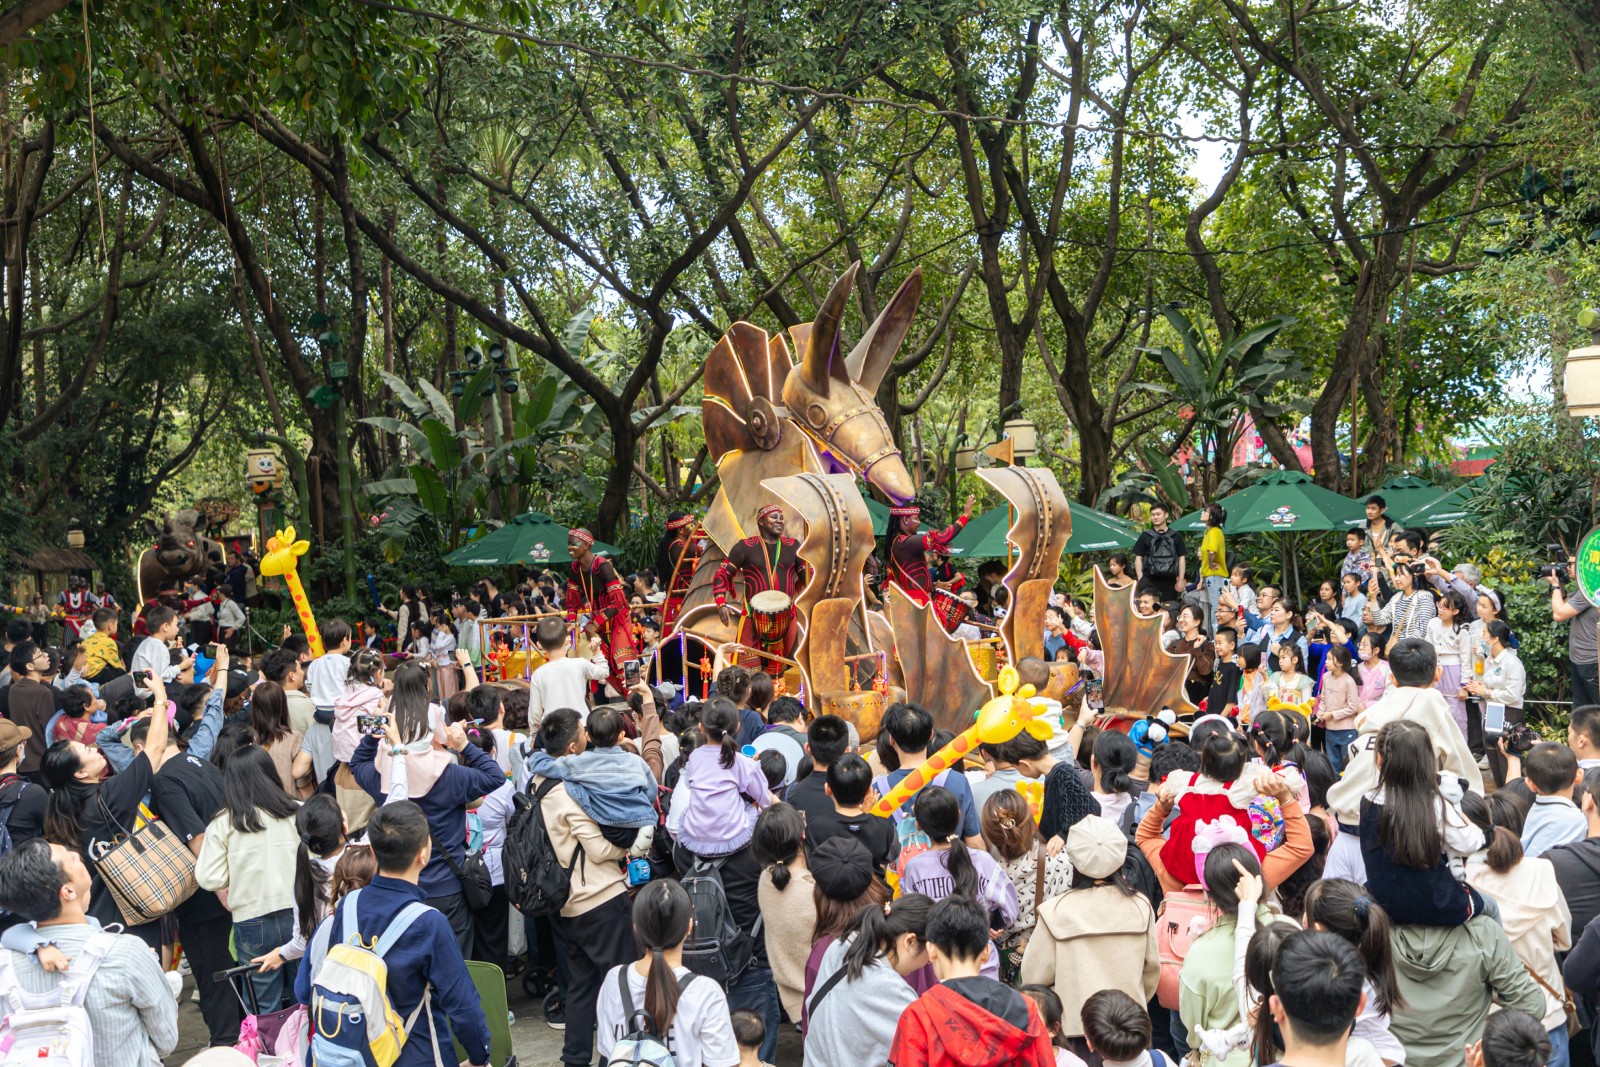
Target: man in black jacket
{"x":1578,"y":864}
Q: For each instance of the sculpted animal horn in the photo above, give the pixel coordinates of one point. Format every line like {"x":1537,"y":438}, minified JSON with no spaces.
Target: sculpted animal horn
{"x":870,"y":359}
{"x":822,"y":350}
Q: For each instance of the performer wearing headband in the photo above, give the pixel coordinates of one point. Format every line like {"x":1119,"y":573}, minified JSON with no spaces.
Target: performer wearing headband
{"x":767,"y":562}
{"x":908,"y":550}
{"x":593,"y":587}
{"x":676,"y":562}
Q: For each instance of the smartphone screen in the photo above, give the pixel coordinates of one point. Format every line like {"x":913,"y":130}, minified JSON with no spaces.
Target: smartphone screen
{"x":211,"y":652}
{"x":630,"y":671}
{"x":1494,"y":718}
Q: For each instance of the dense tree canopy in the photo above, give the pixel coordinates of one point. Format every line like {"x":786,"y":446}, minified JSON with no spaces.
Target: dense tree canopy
{"x":303,"y":218}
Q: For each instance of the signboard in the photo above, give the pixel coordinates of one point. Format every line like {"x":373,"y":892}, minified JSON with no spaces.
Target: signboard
{"x":1586,"y":566}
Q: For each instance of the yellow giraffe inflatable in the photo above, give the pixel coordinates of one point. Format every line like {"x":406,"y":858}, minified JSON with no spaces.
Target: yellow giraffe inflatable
{"x":282,"y":552}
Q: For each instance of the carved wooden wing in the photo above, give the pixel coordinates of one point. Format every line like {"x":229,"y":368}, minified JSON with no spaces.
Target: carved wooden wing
{"x":1141,"y":677}
{"x":1040,"y":526}
{"x":937,"y":671}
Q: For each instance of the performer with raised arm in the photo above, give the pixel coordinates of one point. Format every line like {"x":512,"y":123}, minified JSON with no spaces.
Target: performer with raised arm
{"x":770,"y":568}
{"x":908,"y":551}
{"x":676,"y":561}
{"x":593,"y":587}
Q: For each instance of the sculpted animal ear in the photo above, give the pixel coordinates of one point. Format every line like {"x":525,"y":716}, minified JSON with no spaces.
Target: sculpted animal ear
{"x":823,"y":358}
{"x":869,"y":361}
{"x":151,"y":530}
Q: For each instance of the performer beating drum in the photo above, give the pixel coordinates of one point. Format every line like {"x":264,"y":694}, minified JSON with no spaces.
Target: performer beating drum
{"x":908,"y":551}
{"x":593,"y":586}
{"x":770,"y":568}
{"x":679,"y":555}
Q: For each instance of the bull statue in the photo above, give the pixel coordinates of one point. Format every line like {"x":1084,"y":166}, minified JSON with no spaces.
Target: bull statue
{"x":181,"y":552}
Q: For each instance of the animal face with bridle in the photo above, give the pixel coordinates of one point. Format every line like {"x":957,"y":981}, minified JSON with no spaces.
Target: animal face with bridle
{"x":768,"y":417}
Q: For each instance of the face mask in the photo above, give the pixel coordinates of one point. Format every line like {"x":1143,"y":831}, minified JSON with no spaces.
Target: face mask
{"x":1366,"y":654}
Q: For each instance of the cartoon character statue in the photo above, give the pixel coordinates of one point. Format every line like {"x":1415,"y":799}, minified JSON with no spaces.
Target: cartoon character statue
{"x":998,"y":721}
{"x":282,"y":550}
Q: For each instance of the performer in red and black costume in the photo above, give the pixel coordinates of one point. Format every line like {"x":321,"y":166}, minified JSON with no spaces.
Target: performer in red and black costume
{"x":593,"y":587}
{"x":767,"y":561}
{"x":676,"y":563}
{"x":77,"y":602}
{"x":908,"y":550}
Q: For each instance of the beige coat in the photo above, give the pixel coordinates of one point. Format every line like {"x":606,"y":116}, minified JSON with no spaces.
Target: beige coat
{"x":599,"y":875}
{"x":1087,"y":940}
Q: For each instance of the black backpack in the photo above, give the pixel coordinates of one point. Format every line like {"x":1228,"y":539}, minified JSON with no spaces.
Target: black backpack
{"x":5,"y":817}
{"x":536,"y":881}
{"x":716,"y":947}
{"x":1163,"y":558}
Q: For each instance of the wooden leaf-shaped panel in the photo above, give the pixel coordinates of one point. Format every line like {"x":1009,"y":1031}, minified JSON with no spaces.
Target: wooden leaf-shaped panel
{"x":1041,"y":523}
{"x":739,"y":370}
{"x":1141,"y":677}
{"x":936,"y":670}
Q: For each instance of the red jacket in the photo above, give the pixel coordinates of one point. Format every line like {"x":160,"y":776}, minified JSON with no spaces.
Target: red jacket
{"x":947,"y":1028}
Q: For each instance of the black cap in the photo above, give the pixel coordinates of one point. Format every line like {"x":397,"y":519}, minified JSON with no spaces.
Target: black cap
{"x":842,"y":868}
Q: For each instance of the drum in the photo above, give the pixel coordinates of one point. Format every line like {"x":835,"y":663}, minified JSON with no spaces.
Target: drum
{"x":770,"y":615}
{"x":951,"y":609}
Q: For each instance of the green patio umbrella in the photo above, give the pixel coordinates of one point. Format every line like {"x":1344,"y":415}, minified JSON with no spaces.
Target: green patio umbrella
{"x":1092,"y":531}
{"x":1445,"y":510}
{"x":534,"y":538}
{"x":1284,"y":503}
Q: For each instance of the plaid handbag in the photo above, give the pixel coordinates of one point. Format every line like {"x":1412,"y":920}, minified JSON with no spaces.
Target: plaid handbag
{"x":149,"y":871}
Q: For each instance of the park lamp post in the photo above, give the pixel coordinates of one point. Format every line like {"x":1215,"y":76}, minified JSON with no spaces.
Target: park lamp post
{"x":1583,"y":369}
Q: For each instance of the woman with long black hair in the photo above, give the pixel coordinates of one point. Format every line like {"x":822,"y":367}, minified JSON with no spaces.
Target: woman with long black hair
{"x":687,"y":1011}
{"x":87,"y":814}
{"x":249,"y":853}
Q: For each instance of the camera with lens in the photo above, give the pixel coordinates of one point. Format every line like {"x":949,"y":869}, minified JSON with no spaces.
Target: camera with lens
{"x":1417,"y":568}
{"x":1557,"y":565}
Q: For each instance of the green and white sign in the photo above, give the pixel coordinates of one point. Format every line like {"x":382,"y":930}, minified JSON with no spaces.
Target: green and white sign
{"x":1588,"y":566}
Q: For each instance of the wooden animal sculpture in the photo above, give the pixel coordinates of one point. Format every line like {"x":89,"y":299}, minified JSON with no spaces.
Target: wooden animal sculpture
{"x":181,"y":552}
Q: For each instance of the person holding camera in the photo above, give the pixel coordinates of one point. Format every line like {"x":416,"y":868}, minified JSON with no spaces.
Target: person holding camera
{"x":1409,"y":611}
{"x":1569,"y":604}
{"x":1504,"y":681}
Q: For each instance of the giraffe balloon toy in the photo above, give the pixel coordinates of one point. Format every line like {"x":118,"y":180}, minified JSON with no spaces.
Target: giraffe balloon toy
{"x":280,"y":560}
{"x":1001,"y":719}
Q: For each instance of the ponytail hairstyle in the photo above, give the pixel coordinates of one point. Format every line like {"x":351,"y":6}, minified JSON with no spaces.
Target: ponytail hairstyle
{"x":409,"y":701}
{"x":1115,"y":753}
{"x":320,"y":824}
{"x":719,"y":719}
{"x":1408,"y":774}
{"x":662,"y":916}
{"x":1223,"y":756}
{"x":939,"y":816}
{"x":1275,"y":740}
{"x":63,"y":816}
{"x":1500,"y":816}
{"x":1342,"y":907}
{"x":876,"y":929}
{"x":366,"y":665}
{"x":557,"y":731}
{"x":357,"y":867}
{"x":779,"y":837}
{"x":1259,"y":957}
